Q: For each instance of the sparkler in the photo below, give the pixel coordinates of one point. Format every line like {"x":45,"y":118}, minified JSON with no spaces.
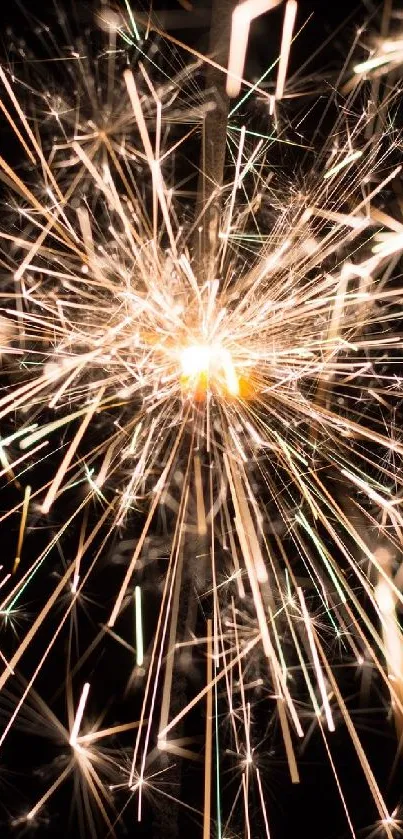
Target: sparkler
{"x":237,"y":385}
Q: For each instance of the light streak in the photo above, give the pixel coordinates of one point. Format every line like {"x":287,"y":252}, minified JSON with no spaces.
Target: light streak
{"x":68,"y":457}
{"x":334,"y":170}
{"x":209,"y":737}
{"x":391,"y":633}
{"x":288,"y":26}
{"x":79,"y":715}
{"x":139,"y":627}
{"x":319,"y":673}
{"x":242,"y":17}
{"x":23,"y":522}
{"x":389,"y":55}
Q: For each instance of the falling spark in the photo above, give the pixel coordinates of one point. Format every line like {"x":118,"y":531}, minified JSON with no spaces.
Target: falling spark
{"x":242,"y":17}
{"x":79,"y":716}
{"x":288,"y":26}
{"x":23,"y":522}
{"x":139,"y":627}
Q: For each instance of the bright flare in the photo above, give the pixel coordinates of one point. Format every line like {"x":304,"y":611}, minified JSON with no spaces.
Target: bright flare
{"x":206,"y":365}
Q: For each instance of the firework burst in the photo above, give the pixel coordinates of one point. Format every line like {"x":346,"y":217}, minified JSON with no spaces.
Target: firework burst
{"x":225,"y":371}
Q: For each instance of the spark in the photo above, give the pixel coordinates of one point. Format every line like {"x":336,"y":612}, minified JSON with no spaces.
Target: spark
{"x":79,"y":715}
{"x":242,"y":17}
{"x":288,"y":26}
{"x":390,"y":54}
{"x":139,"y":627}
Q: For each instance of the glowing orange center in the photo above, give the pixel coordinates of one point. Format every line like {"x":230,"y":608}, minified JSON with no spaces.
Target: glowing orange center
{"x":205,"y":365}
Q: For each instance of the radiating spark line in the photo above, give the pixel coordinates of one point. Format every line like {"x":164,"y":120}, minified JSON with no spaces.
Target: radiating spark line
{"x":217,"y":767}
{"x":242,"y":17}
{"x":50,"y":602}
{"x":315,"y":657}
{"x":30,"y":133}
{"x":139,"y":627}
{"x":246,"y":805}
{"x":56,"y":784}
{"x":244,"y":652}
{"x":17,"y":132}
{"x":262,"y":802}
{"x":288,"y":26}
{"x":175,"y":553}
{"x":24,"y":514}
{"x":378,"y":798}
{"x":153,"y":507}
{"x":209,"y":736}
{"x":79,"y":715}
{"x":92,"y":736}
{"x":152,"y":161}
{"x":132,"y":20}
{"x":225,"y":234}
{"x":172,"y":647}
{"x":68,"y":457}
{"x":391,"y":634}
{"x":342,"y":164}
{"x":268,"y":648}
{"x":31,"y":632}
